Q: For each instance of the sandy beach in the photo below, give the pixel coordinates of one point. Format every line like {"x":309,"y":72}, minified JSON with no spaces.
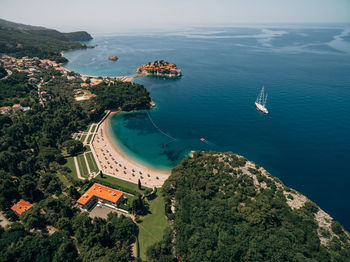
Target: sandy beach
{"x":116,"y":164}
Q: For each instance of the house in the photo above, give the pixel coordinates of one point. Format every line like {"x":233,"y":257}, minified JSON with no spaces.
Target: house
{"x":95,"y":82}
{"x":17,"y":108}
{"x":21,"y":206}
{"x":5,"y":110}
{"x":84,"y":85}
{"x":101,"y":193}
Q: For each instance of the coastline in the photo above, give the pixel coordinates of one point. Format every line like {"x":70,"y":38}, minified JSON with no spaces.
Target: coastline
{"x":123,"y":167}
{"x":112,"y":161}
{"x":128,"y":78}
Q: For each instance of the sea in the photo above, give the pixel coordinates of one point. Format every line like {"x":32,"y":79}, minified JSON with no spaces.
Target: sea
{"x":305,"y":69}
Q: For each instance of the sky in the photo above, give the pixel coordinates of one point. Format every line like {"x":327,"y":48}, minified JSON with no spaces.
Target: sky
{"x":124,"y":15}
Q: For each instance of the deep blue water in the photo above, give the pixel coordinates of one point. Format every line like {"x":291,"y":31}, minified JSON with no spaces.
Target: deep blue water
{"x":305,"y":140}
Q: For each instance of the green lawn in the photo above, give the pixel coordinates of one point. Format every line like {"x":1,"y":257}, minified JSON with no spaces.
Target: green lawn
{"x":87,"y":148}
{"x":82,"y":166}
{"x":93,"y":128}
{"x":118,"y":184}
{"x":70,"y":164}
{"x":82,"y":138}
{"x":91,"y":161}
{"x":89,"y":139}
{"x":64,"y":180}
{"x":152,"y":227}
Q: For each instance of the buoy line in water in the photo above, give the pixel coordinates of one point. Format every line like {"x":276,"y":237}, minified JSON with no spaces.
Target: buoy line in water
{"x":160,"y":131}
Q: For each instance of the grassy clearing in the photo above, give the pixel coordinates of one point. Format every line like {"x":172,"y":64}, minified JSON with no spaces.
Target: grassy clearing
{"x":82,"y":138}
{"x":89,"y":139}
{"x":118,"y":184}
{"x":91,"y":161}
{"x":64,"y":180}
{"x":82,"y":166}
{"x":153,"y":225}
{"x":71,"y":166}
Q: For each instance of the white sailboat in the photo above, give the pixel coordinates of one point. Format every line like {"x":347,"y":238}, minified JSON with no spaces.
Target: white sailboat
{"x":260,"y":102}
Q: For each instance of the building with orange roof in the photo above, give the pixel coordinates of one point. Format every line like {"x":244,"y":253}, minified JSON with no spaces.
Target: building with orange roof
{"x":21,"y":207}
{"x":5,"y":110}
{"x":102,"y":193}
{"x":95,"y":82}
{"x":84,"y":85}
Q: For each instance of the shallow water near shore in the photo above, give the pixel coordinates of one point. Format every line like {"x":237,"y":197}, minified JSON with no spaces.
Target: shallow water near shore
{"x":304,"y":140}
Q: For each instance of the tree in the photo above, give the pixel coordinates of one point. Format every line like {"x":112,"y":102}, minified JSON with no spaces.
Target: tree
{"x":139,"y":184}
{"x":73,"y":192}
{"x":3,"y":72}
{"x":33,"y":218}
{"x":72,"y":146}
{"x":27,"y":187}
{"x":138,"y":206}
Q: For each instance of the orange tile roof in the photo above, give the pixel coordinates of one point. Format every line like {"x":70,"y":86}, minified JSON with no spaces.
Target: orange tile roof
{"x":100,"y":191}
{"x":83,"y":84}
{"x":5,"y":108}
{"x":16,"y":105}
{"x":21,"y":206}
{"x":94,"y":83}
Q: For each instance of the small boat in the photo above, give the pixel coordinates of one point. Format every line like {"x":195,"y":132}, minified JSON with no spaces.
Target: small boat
{"x":260,"y":102}
{"x":202,"y":139}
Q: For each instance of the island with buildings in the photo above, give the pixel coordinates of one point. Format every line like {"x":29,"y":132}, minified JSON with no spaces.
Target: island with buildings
{"x":159,"y":68}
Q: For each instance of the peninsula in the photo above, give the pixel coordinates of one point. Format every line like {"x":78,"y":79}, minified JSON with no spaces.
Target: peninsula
{"x":159,"y":68}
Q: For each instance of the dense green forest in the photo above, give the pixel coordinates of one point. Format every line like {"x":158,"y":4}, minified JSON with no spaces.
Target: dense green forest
{"x":15,"y":89}
{"x":79,"y":237}
{"x":51,"y":33}
{"x":3,"y":72}
{"x":227,"y":210}
{"x":74,"y":36}
{"x":6,"y":23}
{"x":124,"y":95}
{"x":18,"y":43}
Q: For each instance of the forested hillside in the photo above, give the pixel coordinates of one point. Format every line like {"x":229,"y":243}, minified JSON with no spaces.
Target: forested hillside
{"x":20,"y":40}
{"x":19,"y":43}
{"x":225,"y":208}
{"x":52,"y":33}
{"x":124,"y":95}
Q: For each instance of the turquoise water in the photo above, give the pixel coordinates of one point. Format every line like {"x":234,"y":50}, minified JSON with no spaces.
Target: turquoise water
{"x":305,"y":140}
